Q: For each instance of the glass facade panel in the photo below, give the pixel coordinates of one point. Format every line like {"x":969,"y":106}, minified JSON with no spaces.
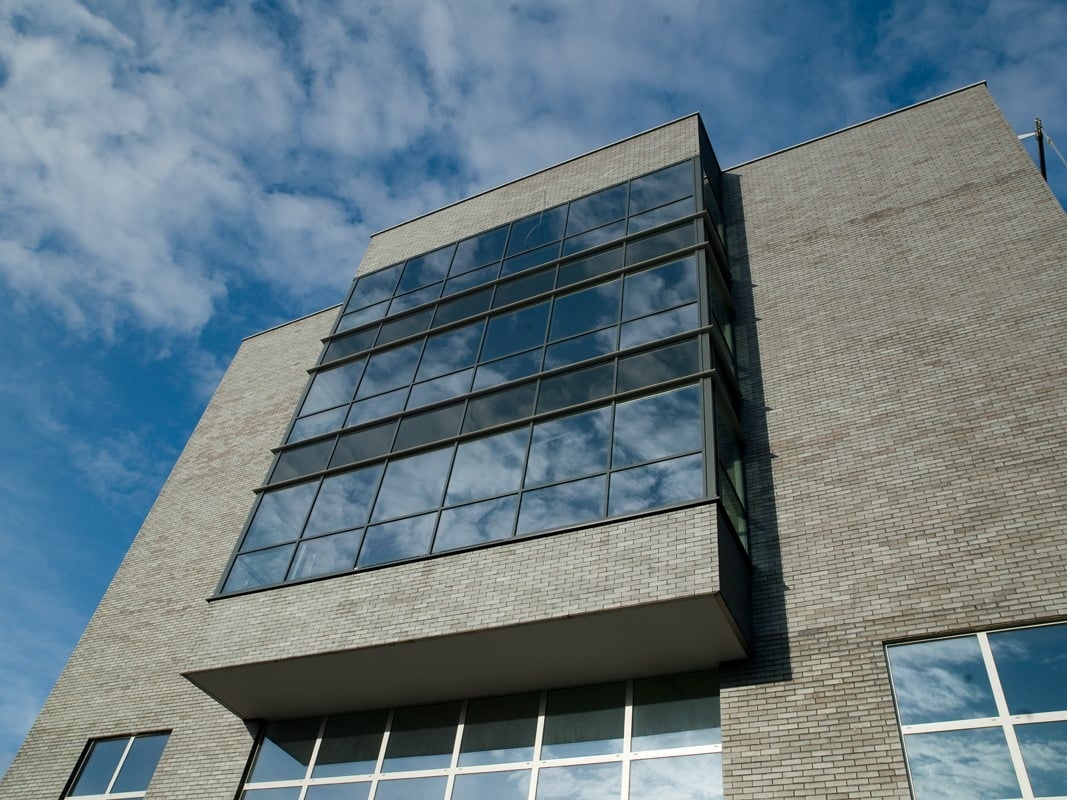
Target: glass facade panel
{"x":1032,"y":665}
{"x":679,"y":778}
{"x":961,"y":765}
{"x":411,"y":789}
{"x":396,"y":541}
{"x":259,"y":568}
{"x":421,"y":737}
{"x":499,"y":730}
{"x":140,"y":764}
{"x":438,"y":387}
{"x":475,"y":523}
{"x":1044,"y":751}
{"x":580,"y":782}
{"x":569,"y":447}
{"x":584,"y":721}
{"x":326,"y":555}
{"x":285,"y":752}
{"x":99,"y":766}
{"x":553,"y":742}
{"x":280,"y":515}
{"x":941,"y":680}
{"x":488,"y":467}
{"x":350,"y":744}
{"x":590,"y":239}
{"x":339,"y":791}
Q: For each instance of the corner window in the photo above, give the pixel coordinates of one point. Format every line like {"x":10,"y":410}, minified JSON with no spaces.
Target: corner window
{"x":984,"y":715}
{"x":119,"y":767}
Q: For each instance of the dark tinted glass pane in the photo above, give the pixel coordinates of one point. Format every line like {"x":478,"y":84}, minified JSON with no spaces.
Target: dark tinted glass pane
{"x":585,"y":310}
{"x":654,"y":427}
{"x":429,"y":426}
{"x":332,"y":387}
{"x":476,"y":523}
{"x":561,"y":505}
{"x":522,"y":288}
{"x":597,"y":209}
{"x":656,"y":485}
{"x":261,"y":568}
{"x":585,"y":782}
{"x":574,"y":271}
{"x":362,"y":317}
{"x":515,"y":331}
{"x":349,"y":345}
{"x":477,"y":277}
{"x":961,"y":765}
{"x":659,"y":326}
{"x":534,"y":258}
{"x":512,"y":368}
{"x":280,"y":515}
{"x":462,"y":307}
{"x":512,"y":785}
{"x":100,"y":766}
{"x":395,"y":541}
{"x":411,"y":789}
{"x":479,"y":250}
{"x":661,"y":187}
{"x":344,"y":501}
{"x":499,"y":730}
{"x":661,"y":364}
{"x":396,"y":329}
{"x":426,"y":269}
{"x":302,"y":460}
{"x":569,"y":447}
{"x":442,"y":388}
{"x":403,"y":302}
{"x":584,"y":721}
{"x":1032,"y":664}
{"x":322,"y":422}
{"x":940,"y":681}
{"x":285,"y":752}
{"x":570,"y":388}
{"x":488,"y":467}
{"x":661,"y":215}
{"x":589,"y":345}
{"x":350,"y":744}
{"x":499,"y":407}
{"x":375,"y":286}
{"x":537,"y":229}
{"x":679,"y":778}
{"x":1044,"y":748}
{"x":376,"y":407}
{"x":140,"y":763}
{"x":451,"y":351}
{"x":576,"y":244}
{"x":728,"y":446}
{"x":676,"y":711}
{"x":422,"y":737}
{"x":338,"y":791}
{"x":413,"y":484}
{"x":659,"y":244}
{"x":327,"y":554}
{"x":390,"y":369}
{"x":665,"y":286}
{"x":363,"y":444}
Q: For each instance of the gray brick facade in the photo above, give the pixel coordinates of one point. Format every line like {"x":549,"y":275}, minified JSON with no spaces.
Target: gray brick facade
{"x":901,"y":298}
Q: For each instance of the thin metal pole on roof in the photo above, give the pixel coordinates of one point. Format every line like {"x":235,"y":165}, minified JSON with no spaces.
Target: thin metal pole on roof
{"x":1040,"y":133}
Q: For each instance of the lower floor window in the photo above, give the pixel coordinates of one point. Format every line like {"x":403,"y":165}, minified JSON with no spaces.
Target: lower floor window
{"x":119,"y":767}
{"x":985,"y":715}
{"x":645,"y":738}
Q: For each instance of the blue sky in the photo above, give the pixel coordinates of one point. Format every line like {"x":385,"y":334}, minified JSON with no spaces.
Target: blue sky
{"x":178,"y":175}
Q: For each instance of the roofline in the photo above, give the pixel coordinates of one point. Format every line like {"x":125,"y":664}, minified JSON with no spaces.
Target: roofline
{"x":290,"y":322}
{"x":856,"y":125}
{"x":538,"y":172}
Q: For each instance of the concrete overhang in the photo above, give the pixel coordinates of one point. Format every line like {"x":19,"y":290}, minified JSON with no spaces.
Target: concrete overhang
{"x":659,"y":638}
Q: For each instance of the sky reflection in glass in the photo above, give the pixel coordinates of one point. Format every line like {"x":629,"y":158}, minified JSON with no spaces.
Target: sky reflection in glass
{"x":1032,"y":665}
{"x":696,"y":777}
{"x":961,"y":765}
{"x":941,"y":680}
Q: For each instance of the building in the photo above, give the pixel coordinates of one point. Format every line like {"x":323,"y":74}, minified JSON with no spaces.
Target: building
{"x":768,"y":463}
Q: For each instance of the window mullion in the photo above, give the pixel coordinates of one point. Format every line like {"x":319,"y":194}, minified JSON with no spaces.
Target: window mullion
{"x":1005,"y":718}
{"x":118,"y":767}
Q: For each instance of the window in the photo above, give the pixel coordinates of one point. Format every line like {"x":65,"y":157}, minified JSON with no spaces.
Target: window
{"x":574,"y":349}
{"x":632,"y":740}
{"x":985,"y":715}
{"x":119,"y":767}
